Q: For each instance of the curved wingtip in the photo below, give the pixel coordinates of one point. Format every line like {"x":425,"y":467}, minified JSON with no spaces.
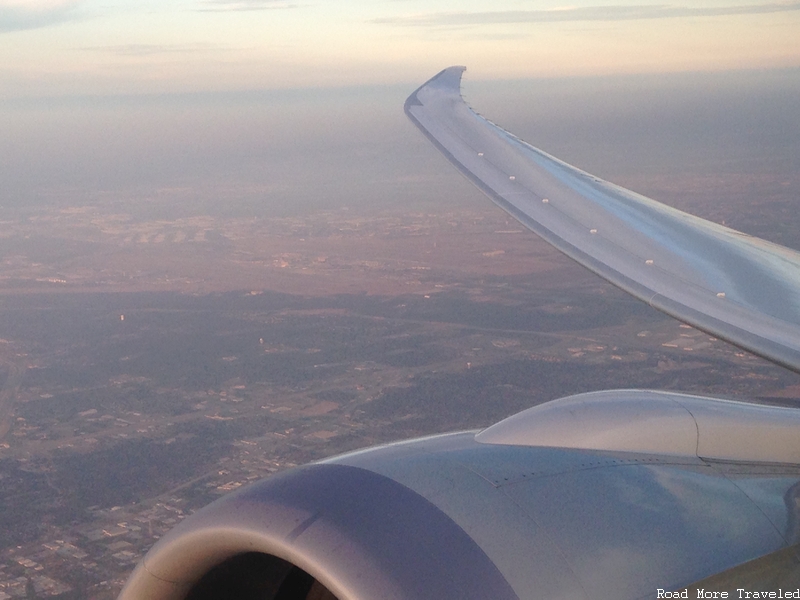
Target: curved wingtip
{"x":735,"y":287}
{"x":448,"y":80}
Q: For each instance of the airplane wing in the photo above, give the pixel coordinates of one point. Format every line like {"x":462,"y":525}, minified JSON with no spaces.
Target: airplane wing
{"x":619,"y":494}
{"x":737,"y":287}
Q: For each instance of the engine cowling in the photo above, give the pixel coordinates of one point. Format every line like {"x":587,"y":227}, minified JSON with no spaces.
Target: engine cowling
{"x":495,"y":515}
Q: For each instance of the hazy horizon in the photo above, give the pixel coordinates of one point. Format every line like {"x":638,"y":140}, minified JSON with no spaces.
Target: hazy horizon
{"x":255,"y":107}
{"x":269,"y":153}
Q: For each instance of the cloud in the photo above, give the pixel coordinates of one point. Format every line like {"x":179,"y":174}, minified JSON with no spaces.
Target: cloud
{"x":16,"y":15}
{"x":587,"y":13}
{"x":245,"y":5}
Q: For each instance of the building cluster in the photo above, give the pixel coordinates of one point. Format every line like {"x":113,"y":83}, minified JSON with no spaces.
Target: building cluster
{"x":92,"y":560}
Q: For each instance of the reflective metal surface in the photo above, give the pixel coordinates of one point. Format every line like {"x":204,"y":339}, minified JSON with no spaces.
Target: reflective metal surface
{"x":778,"y":573}
{"x":361,"y":534}
{"x":656,"y":422}
{"x":566,"y":523}
{"x":451,"y":517}
{"x":738,"y":287}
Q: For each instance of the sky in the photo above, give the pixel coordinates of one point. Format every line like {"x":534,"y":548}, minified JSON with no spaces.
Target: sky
{"x":54,"y":47}
{"x":291,"y":102}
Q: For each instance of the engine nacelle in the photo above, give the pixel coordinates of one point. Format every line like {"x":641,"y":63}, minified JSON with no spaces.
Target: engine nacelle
{"x":496,"y":515}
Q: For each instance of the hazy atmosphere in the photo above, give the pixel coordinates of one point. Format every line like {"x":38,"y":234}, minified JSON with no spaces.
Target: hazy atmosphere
{"x":258,"y":106}
{"x":226,"y":251}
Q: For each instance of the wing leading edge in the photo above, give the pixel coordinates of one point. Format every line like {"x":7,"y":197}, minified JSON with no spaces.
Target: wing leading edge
{"x":735,"y":286}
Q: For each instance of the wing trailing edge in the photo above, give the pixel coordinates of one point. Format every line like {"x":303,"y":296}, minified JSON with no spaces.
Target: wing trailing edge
{"x":737,"y":287}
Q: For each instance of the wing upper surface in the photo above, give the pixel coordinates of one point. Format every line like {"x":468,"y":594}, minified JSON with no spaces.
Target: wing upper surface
{"x":738,"y":287}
